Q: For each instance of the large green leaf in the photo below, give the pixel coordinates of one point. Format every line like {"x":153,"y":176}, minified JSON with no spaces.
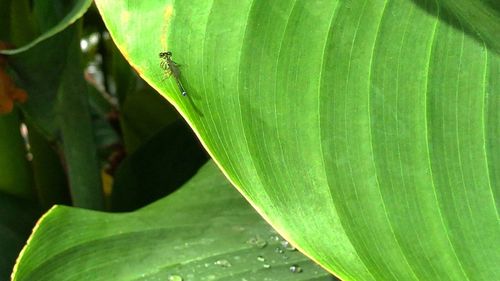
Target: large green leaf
{"x":367,"y":132}
{"x":204,"y":231}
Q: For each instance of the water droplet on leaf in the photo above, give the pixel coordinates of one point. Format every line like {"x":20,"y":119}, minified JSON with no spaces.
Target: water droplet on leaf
{"x":279,"y":251}
{"x":223,"y":263}
{"x":274,"y":238}
{"x":174,"y":278}
{"x":287,"y":245}
{"x":295,"y":269}
{"x":257,"y":241}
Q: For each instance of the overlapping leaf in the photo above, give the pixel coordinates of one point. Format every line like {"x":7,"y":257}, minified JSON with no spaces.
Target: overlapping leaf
{"x":49,"y":18}
{"x":205,"y":231}
{"x":364,"y":131}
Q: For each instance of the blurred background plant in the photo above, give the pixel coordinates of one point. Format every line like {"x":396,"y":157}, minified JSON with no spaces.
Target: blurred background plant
{"x":103,"y":140}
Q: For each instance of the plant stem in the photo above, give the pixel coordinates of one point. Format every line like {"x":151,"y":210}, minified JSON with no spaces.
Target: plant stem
{"x":79,"y":145}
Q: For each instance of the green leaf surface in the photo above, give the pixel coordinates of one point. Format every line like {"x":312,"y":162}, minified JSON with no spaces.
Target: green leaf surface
{"x":52,"y":74}
{"x":49,"y":174}
{"x":478,"y":18}
{"x":77,"y":132}
{"x":39,"y":68}
{"x":16,"y":176}
{"x":66,"y":12}
{"x":366,"y":132}
{"x":51,"y":71}
{"x":21,"y":26}
{"x":204,"y":231}
{"x":39,"y":72}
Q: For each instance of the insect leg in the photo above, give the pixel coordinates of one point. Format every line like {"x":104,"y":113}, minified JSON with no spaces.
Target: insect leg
{"x":167,"y":73}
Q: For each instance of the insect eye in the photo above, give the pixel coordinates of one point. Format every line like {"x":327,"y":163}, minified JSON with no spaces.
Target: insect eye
{"x":168,"y":53}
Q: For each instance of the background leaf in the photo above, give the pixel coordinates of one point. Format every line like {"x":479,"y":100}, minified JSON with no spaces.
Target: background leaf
{"x":77,"y":131}
{"x":157,"y":168}
{"x":15,"y":172}
{"x":50,"y":69}
{"x":204,"y":231}
{"x":45,"y":10}
{"x":17,"y":217}
{"x":366,"y":132}
{"x":40,"y":67}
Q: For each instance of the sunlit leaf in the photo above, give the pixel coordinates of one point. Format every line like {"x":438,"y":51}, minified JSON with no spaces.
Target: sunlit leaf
{"x":366,"y":132}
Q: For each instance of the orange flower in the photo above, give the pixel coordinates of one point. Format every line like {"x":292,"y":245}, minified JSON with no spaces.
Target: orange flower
{"x":9,"y":93}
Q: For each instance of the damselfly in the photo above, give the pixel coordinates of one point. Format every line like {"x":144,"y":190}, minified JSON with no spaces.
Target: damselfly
{"x":172,"y":69}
